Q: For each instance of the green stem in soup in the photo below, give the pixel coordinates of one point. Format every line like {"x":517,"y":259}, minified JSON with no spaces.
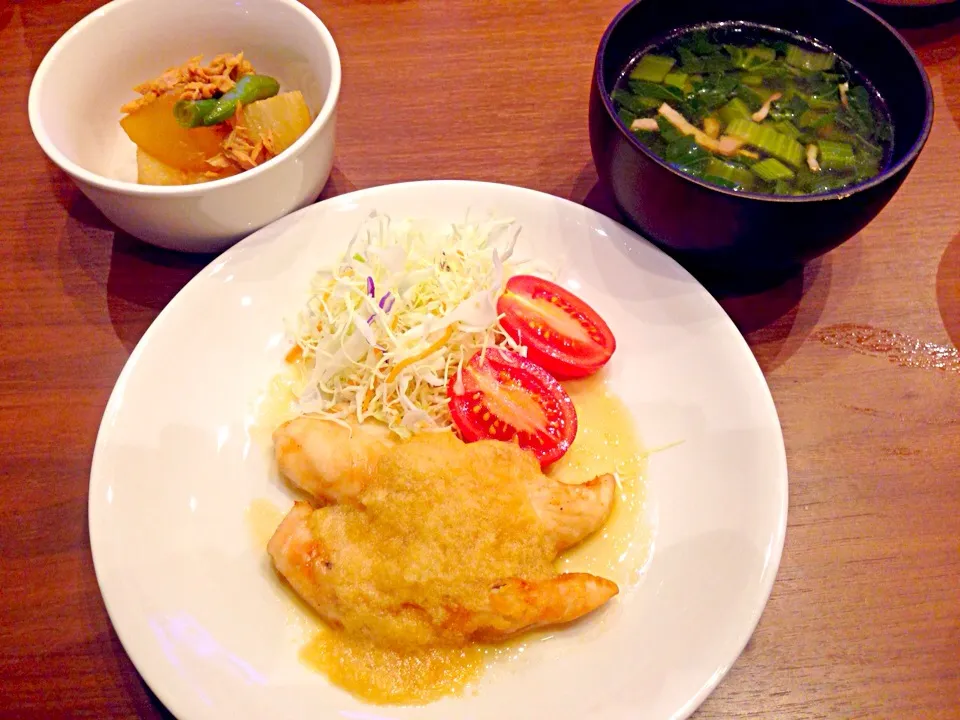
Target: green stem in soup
{"x":733,"y":173}
{"x":836,"y":155}
{"x":785,"y":127}
{"x":652,"y":68}
{"x":678,"y":80}
{"x":765,"y":138}
{"x":772,"y":170}
{"x":750,"y":58}
{"x":734,"y":109}
{"x":809,"y":60}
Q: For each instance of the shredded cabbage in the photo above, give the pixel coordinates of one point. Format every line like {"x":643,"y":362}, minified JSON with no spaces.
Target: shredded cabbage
{"x":408,"y":303}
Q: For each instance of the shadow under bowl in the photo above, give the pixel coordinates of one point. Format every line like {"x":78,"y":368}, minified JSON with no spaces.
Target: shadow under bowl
{"x":744,"y":238}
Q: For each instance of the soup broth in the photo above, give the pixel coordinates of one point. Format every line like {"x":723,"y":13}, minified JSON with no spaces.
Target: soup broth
{"x":755,"y":109}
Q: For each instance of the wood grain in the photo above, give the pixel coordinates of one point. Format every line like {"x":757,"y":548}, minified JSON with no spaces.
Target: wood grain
{"x":864,"y":620}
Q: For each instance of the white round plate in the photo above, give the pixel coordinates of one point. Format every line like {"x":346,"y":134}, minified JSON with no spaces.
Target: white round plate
{"x":175,"y":468}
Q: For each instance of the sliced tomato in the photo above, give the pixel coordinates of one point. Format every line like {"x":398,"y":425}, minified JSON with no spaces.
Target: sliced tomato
{"x":561,"y":332}
{"x":504,"y":396}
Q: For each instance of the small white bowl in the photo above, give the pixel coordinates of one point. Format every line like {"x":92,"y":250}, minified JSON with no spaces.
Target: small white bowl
{"x":89,"y":73}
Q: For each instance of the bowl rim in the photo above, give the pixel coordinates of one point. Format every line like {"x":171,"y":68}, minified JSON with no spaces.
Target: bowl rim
{"x":123,"y":187}
{"x":908,"y":158}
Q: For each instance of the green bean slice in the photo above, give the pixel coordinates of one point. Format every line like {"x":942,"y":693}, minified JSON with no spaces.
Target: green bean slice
{"x":249,"y":89}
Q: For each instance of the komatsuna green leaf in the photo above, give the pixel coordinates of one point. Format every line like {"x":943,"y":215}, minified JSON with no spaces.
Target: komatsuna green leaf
{"x":656,"y":91}
{"x":687,"y":154}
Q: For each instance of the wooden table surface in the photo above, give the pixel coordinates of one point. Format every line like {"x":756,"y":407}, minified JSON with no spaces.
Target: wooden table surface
{"x":860,"y":354}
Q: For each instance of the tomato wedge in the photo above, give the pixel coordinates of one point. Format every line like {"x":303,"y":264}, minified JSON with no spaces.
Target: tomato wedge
{"x":562,"y":333}
{"x":504,"y":396}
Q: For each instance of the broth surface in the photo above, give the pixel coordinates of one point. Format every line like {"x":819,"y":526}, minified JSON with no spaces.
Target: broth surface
{"x":755,"y":109}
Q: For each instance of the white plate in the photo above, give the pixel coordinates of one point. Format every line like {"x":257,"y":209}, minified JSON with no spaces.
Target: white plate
{"x":174,"y":470}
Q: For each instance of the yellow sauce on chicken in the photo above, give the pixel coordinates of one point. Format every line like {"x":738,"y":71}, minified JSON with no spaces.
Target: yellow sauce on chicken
{"x":606,"y":442}
{"x":413,"y":563}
